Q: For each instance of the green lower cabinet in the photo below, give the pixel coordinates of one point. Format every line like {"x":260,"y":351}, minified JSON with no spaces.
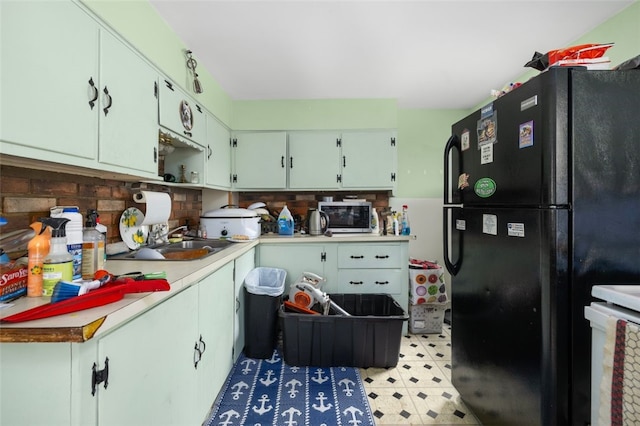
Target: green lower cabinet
{"x":244,"y":264}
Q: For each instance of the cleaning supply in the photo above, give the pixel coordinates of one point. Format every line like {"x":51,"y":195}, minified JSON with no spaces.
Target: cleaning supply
{"x":103,"y":230}
{"x":58,"y":264}
{"x":375,"y":222}
{"x":395,"y":224}
{"x":285,"y":222}
{"x":73,"y":232}
{"x":406,"y":227}
{"x":93,"y":246}
{"x":38,"y":248}
{"x":65,"y":290}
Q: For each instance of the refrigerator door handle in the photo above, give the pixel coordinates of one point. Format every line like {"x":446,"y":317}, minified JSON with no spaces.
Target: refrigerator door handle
{"x":453,"y":142}
{"x":453,"y":268}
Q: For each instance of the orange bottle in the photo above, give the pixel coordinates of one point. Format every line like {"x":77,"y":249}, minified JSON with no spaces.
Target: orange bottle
{"x":38,"y":249}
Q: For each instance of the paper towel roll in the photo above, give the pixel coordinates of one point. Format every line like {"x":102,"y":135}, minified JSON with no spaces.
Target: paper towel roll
{"x":158,"y":206}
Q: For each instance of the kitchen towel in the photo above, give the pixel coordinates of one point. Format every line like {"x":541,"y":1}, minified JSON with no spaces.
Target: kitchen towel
{"x":158,"y":206}
{"x":620,"y":386}
{"x":271,"y":392}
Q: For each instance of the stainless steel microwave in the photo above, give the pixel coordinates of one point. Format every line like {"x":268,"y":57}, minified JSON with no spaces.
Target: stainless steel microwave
{"x":347,"y":216}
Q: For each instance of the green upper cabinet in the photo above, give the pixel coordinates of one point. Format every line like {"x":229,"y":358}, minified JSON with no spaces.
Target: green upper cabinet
{"x":218,"y":153}
{"x":260,"y":160}
{"x":128,"y":118}
{"x":181,"y":114}
{"x":314,"y":160}
{"x":369,"y":159}
{"x":48,"y":76}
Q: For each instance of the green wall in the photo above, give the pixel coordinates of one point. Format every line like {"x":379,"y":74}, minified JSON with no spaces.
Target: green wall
{"x":422,"y":133}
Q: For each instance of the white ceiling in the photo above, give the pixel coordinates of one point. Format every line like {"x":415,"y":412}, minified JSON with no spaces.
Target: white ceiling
{"x":424,"y":53}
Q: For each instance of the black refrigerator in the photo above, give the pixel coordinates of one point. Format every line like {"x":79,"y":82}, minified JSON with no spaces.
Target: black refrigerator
{"x":542,"y":201}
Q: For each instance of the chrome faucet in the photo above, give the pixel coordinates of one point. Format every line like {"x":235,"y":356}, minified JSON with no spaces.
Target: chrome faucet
{"x":156,"y":236}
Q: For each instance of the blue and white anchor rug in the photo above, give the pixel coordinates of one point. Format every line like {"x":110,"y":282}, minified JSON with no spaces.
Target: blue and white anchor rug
{"x":270,"y":392}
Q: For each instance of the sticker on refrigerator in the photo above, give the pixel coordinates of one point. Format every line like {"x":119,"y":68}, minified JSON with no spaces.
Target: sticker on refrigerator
{"x":465,"y":140}
{"x":484,"y":187}
{"x":486,"y":154}
{"x":487,"y":129}
{"x":490,"y":224}
{"x":463,"y":181}
{"x":515,"y":230}
{"x":461,"y":225}
{"x":525,"y":136}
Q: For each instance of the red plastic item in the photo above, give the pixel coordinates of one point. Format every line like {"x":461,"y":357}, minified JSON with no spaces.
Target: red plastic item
{"x":109,"y":293}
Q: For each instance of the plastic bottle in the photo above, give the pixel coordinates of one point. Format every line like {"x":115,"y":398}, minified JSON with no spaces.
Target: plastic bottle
{"x":73,"y":234}
{"x":375,"y":221}
{"x":396,"y":224}
{"x":285,"y":222}
{"x":38,"y":248}
{"x":406,"y":226}
{"x":58,"y":264}
{"x":93,"y":244}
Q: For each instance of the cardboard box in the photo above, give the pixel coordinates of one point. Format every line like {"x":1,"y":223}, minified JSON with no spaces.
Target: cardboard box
{"x":13,"y":281}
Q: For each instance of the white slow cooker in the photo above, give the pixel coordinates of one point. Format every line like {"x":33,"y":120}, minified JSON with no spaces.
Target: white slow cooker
{"x":227,"y":222}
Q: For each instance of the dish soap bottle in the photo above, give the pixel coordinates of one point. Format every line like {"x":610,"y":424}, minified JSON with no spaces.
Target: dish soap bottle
{"x":93,"y":243}
{"x":406,"y":227}
{"x":58,"y":264}
{"x":38,"y":248}
{"x":375,"y":223}
{"x":285,"y":222}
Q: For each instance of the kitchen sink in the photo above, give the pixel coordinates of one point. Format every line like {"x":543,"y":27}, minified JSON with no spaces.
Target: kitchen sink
{"x":181,"y":251}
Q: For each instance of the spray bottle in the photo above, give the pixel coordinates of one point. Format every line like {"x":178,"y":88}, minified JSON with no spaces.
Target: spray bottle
{"x":58,"y":264}
{"x":93,"y":243}
{"x":38,"y":248}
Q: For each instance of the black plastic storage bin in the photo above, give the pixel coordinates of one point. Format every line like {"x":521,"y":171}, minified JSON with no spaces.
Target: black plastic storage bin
{"x":369,"y":338}
{"x":263,"y":288}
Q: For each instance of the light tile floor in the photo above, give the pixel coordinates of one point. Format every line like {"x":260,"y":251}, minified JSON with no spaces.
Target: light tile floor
{"x":417,"y":391}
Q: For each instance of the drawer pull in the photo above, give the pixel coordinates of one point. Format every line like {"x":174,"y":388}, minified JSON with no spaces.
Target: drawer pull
{"x":386,"y":256}
{"x":382,"y":282}
{"x":357,"y":257}
{"x":356,"y":282}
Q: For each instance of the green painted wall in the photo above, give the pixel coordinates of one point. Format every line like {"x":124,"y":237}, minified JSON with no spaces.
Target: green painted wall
{"x":422,"y":133}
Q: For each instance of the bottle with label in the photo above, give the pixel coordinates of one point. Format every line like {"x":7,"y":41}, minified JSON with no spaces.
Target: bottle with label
{"x":38,"y":248}
{"x":73,"y":232}
{"x":375,"y":222}
{"x":285,"y":222}
{"x":406,"y":226}
{"x":396,"y":224}
{"x":93,"y":244}
{"x":58,"y":264}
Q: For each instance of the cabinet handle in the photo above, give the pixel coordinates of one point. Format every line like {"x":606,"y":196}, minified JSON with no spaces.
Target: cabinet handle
{"x":99,"y":376}
{"x":237,"y":304}
{"x":92,"y":102}
{"x":344,"y":161}
{"x":356,"y":282}
{"x":187,"y":133}
{"x":357,"y":257}
{"x":382,"y":282}
{"x":210,"y":152}
{"x":282,"y":161}
{"x":197,"y":356}
{"x":202,"y":346}
{"x":106,"y":109}
{"x":155,"y":154}
{"x":386,"y":256}
{"x":291,"y":162}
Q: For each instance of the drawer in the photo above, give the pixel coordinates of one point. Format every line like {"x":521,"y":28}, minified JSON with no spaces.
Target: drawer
{"x":370,"y":256}
{"x":390,"y":281}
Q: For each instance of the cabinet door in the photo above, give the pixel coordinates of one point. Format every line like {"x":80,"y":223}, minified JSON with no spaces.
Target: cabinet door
{"x":128,"y":109}
{"x":259,"y":160}
{"x":180,"y":113}
{"x":298,"y":258}
{"x":215,"y":337}
{"x":314,"y":160}
{"x":48,"y":75}
{"x":151,"y":366}
{"x":244,"y":264}
{"x":369,"y":159}
{"x":218,"y":152}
